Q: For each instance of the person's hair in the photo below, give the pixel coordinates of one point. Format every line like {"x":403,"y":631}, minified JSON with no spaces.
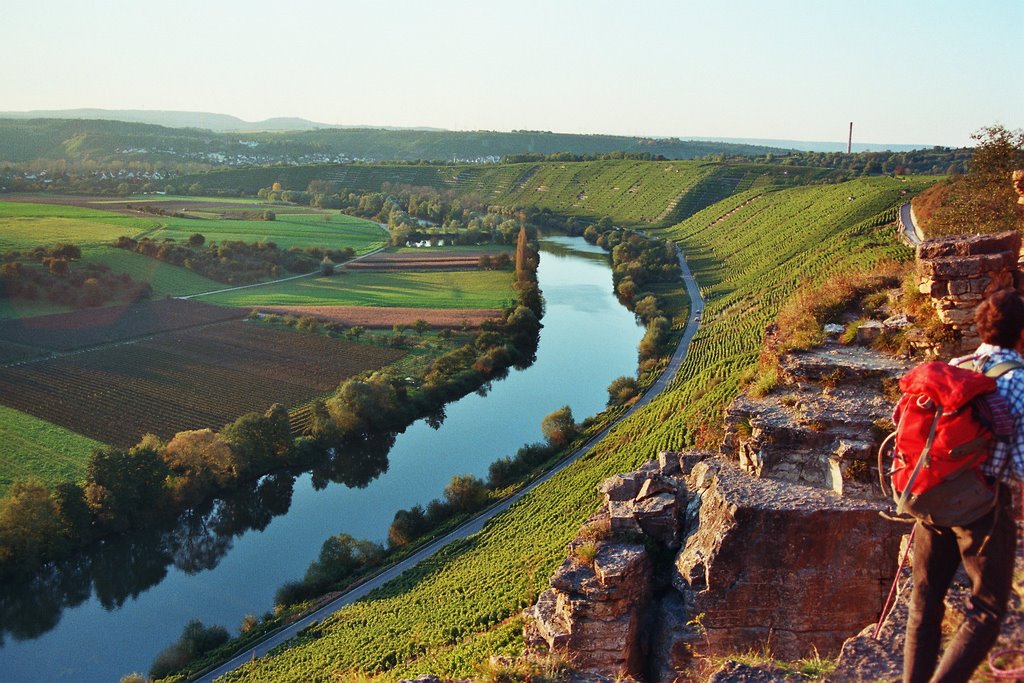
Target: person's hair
{"x":1000,"y":318}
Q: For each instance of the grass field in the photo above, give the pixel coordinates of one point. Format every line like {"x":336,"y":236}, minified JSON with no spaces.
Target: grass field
{"x":24,"y":225}
{"x":165,"y":279}
{"x":34,"y":447}
{"x":287,"y":230}
{"x":461,"y":289}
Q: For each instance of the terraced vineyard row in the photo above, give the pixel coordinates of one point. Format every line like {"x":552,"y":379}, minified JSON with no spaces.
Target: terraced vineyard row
{"x":188,"y":379}
{"x":454,"y":610}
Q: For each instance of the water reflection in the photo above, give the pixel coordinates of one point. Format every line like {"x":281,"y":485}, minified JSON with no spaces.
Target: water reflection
{"x":116,"y":570}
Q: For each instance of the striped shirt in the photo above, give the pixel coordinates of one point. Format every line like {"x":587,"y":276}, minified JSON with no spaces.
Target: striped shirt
{"x":1011,"y":387}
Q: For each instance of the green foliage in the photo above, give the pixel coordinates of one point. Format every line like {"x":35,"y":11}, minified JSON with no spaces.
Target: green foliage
{"x":983,"y":200}
{"x":622,"y":389}
{"x":30,"y":524}
{"x":195,"y":641}
{"x":465,"y":493}
{"x":558,"y":427}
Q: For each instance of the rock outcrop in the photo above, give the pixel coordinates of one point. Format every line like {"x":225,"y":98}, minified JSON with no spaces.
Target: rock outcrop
{"x":824,"y":426}
{"x":957,"y":272}
{"x":776,"y":565}
{"x":866,"y":658}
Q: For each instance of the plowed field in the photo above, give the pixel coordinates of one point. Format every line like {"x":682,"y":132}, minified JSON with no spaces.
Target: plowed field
{"x":92,"y":326}
{"x":419,"y":261}
{"x":186,"y":379}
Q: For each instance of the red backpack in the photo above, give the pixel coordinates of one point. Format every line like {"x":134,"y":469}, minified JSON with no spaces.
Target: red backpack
{"x":946,"y":423}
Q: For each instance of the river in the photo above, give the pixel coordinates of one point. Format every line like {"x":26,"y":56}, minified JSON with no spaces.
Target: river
{"x":97,"y":620}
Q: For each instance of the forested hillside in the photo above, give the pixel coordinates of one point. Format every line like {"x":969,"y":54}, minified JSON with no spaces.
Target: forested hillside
{"x":451,"y":613}
{"x":99,"y":141}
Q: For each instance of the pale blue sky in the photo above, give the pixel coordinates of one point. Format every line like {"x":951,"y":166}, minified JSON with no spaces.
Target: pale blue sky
{"x":910,"y":71}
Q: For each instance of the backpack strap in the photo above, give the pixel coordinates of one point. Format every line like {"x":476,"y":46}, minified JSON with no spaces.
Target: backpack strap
{"x":922,"y":461}
{"x":1000,"y":369}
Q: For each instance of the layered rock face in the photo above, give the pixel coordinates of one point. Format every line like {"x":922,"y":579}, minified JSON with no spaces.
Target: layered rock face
{"x":773,"y":544}
{"x":764,"y":564}
{"x":783,"y":566}
{"x":958,"y":272}
{"x":596,"y":608}
{"x":824,"y":427}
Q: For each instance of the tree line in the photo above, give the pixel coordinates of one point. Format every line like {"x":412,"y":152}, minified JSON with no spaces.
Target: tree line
{"x":235,"y":261}
{"x":55,"y":274}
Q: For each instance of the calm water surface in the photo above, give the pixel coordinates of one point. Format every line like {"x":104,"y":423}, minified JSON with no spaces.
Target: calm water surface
{"x":588,"y":340}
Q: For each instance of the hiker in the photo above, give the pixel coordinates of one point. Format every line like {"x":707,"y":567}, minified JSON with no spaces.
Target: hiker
{"x":987,"y":547}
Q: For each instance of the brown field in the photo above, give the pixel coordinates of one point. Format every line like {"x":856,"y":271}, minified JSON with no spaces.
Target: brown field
{"x":385,"y":317}
{"x":425,"y":261}
{"x":92,"y":326}
{"x":186,"y":379}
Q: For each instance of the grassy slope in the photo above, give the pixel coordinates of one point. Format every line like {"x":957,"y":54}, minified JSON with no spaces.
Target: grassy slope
{"x":34,"y":447}
{"x":447,"y":615}
{"x":447,"y":289}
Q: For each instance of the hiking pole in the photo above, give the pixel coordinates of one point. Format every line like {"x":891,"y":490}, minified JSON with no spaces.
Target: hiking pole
{"x":895,"y":581}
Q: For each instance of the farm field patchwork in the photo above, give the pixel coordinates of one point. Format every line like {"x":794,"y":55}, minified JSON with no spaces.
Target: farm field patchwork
{"x":186,"y":379}
{"x":165,"y":279}
{"x":413,"y":289}
{"x":421,"y":259}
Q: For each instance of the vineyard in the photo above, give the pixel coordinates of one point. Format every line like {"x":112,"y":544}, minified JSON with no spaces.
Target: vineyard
{"x":451,"y":612}
{"x":630,"y":192}
{"x":186,"y":379}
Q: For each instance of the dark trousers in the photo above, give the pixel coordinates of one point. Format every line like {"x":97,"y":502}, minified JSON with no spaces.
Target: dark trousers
{"x":938,"y":552}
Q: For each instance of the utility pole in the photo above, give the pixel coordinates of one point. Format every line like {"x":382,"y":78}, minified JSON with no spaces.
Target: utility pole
{"x":849,"y":140}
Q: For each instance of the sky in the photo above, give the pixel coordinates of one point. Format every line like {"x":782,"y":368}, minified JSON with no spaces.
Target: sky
{"x":926,"y":72}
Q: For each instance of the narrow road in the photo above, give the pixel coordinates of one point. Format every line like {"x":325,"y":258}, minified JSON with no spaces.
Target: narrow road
{"x":477,"y":523}
{"x":907,"y":224}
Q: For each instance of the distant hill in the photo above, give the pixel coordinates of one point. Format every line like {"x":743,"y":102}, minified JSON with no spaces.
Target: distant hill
{"x":228,"y":123}
{"x":820,"y":145}
{"x":102,"y":140}
{"x":170,"y":119}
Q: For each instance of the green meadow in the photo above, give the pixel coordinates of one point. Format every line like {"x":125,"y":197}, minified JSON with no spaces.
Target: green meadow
{"x":287,"y":230}
{"x":34,"y":447}
{"x":447,"y":289}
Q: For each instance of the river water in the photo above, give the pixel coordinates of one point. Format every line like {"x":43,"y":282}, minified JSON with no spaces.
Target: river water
{"x":100,"y":618}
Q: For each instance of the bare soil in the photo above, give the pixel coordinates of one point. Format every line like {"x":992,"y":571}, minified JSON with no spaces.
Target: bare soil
{"x":387,"y":317}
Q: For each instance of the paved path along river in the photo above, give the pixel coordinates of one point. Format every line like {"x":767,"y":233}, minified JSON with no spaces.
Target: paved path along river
{"x":477,"y":523}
